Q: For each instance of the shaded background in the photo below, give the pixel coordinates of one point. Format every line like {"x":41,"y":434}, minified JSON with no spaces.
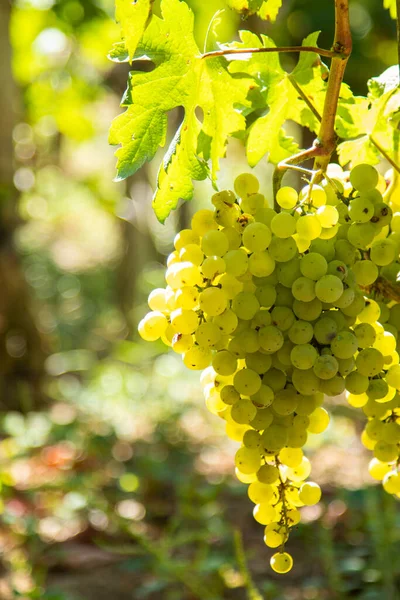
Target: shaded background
{"x":116,"y":482}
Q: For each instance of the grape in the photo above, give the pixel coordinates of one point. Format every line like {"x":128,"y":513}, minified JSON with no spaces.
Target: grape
{"x":256,"y":237}
{"x":327,"y":215}
{"x":361,"y":234}
{"x":361,"y":209}
{"x":301,"y":332}
{"x":287,"y":197}
{"x":369,"y":362}
{"x":261,"y":264}
{"x":283,"y":225}
{"x":181,"y":343}
{"x":308,"y":227}
{"x":285,"y":402}
{"x":226,"y":321}
{"x":224,"y":363}
{"x":326,"y":367}
{"x":366,"y":272}
{"x":313,"y":266}
{"x":325,"y":330}
{"x":260,"y":493}
{"x":180,"y":274}
{"x":213,"y":301}
{"x":197,"y":358}
{"x":152,"y":326}
{"x":185,"y":237}
{"x":303,"y":356}
{"x":383,"y":252}
{"x":247,"y":382}
{"x":203,"y":221}
{"x":281,"y":562}
{"x":247,"y":460}
{"x":264,"y":514}
{"x":364,"y":177}
{"x":246,"y":184}
{"x":282,"y":250}
{"x":245,"y":305}
{"x":305,"y":381}
{"x":303,"y":289}
{"x":268,"y":474}
{"x":319,"y":420}
{"x":344,"y":345}
{"x":310,"y":493}
{"x":357,"y":383}
{"x":266,"y":295}
{"x":243,"y":411}
{"x":329,"y":288}
{"x":271,"y":338}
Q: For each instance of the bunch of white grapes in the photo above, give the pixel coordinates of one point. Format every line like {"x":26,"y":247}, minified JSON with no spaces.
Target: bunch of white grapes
{"x":279,"y":309}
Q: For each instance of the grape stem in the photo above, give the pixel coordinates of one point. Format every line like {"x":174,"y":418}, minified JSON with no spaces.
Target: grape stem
{"x":385,"y":288}
{"x":334,"y":53}
{"x":283,"y":499}
{"x":326,"y":141}
{"x":384,"y":153}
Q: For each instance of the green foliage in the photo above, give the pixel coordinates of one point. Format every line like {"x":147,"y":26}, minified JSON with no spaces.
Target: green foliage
{"x":364,"y":121}
{"x":265,"y":9}
{"x":180,"y":78}
{"x":134,"y":18}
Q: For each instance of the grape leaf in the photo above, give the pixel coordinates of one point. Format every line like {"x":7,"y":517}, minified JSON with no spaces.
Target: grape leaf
{"x":266,"y":134}
{"x":180,"y":78}
{"x":369,"y":120}
{"x":134,"y":17}
{"x":265,"y":9}
{"x":391,"y":5}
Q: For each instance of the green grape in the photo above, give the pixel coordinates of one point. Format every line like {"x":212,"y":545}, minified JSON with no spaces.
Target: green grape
{"x":310,"y":493}
{"x":319,"y":420}
{"x":282,"y":250}
{"x":338,"y":268}
{"x":333,"y":386}
{"x":185,"y":237}
{"x":234,"y":237}
{"x":252,"y":439}
{"x":327,"y":215}
{"x":282,"y":317}
{"x":377,"y":389}
{"x":246,"y":184}
{"x":224,"y":363}
{"x":214,"y":243}
{"x":203,"y":221}
{"x":366,"y":272}
{"x":157,"y":300}
{"x":213,"y":301}
{"x":229,"y":285}
{"x":258,"y":362}
{"x":308,"y":226}
{"x":249,"y":341}
{"x":385,"y":452}
{"x":256,"y":237}
{"x":285,"y":402}
{"x":291,"y":457}
{"x":391,"y":482}
{"x":247,"y":460}
{"x":288,"y":272}
{"x":266,"y":295}
{"x":262,"y":419}
{"x":361,"y":209}
{"x":301,"y":332}
{"x":274,"y":438}
{"x":346,"y":252}
{"x":287,"y":197}
{"x":245,"y":305}
{"x":369,"y":362}
{"x":364,"y":177}
{"x":152,"y":326}
{"x":361,"y":235}
{"x":307,"y":311}
{"x":223,"y":198}
{"x":247,"y":382}
{"x":393,"y":376}
{"x":325,"y":330}
{"x":305,"y":381}
{"x":208,"y":334}
{"x":377,"y":469}
{"x":243,"y":411}
{"x":324,"y":247}
{"x":236,"y":262}
{"x":261,"y":264}
{"x":326,"y":366}
{"x":265,"y":215}
{"x":344,"y":345}
{"x":264,"y":397}
{"x":383,"y":252}
{"x":253,"y":203}
{"x":356,"y":383}
{"x":275,"y":379}
{"x":260,"y":493}
{"x":271,"y":338}
{"x":301,"y":472}
{"x":382,"y":215}
{"x":303,"y":289}
{"x":303,"y":356}
{"x":283,"y":225}
{"x":268,"y":474}
{"x":305,"y":405}
{"x":226,"y":321}
{"x":275,"y":535}
{"x":261,"y":319}
{"x":191,"y":253}
{"x":180,"y":274}
{"x":197,"y":358}
{"x":313,"y":266}
{"x":264,"y":514}
{"x":329,"y":288}
{"x":229,"y":395}
{"x":181,"y":343}
{"x":281,"y":562}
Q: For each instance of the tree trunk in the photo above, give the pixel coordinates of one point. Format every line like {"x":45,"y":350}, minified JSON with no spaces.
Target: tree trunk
{"x":21,"y":347}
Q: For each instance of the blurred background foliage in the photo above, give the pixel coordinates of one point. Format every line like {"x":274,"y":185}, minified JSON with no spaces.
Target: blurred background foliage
{"x":116,"y":481}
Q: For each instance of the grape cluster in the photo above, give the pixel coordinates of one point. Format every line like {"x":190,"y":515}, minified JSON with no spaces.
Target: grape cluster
{"x":279,"y":308}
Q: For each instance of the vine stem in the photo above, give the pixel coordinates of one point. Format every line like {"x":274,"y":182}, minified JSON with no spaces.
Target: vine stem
{"x":326,"y":141}
{"x":228,"y":51}
{"x":398,"y":31}
{"x":327,"y":138}
{"x":384,"y":153}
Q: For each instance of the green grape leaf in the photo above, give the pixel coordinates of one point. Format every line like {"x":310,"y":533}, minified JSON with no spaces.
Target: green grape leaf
{"x":369,"y":121}
{"x":265,"y":9}
{"x":391,"y":5}
{"x":281,"y":96}
{"x":134,"y":17}
{"x":180,"y":78}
